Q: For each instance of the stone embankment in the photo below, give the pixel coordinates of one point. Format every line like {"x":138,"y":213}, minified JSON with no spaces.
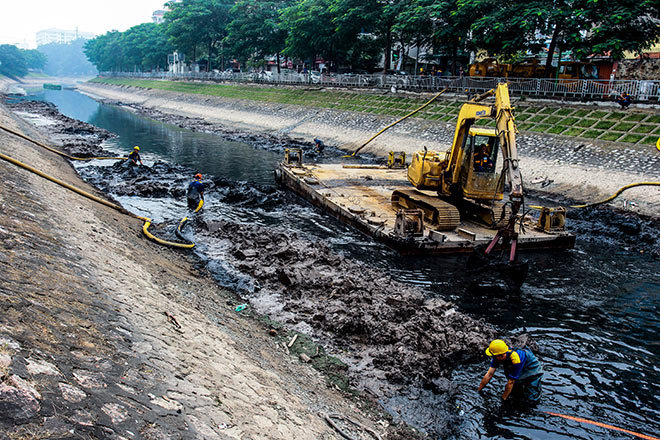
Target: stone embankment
{"x":106,"y":335}
{"x":560,"y":166}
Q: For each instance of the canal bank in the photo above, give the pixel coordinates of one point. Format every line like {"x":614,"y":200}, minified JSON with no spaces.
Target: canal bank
{"x":106,"y":335}
{"x":597,"y":300}
{"x":559,"y":166}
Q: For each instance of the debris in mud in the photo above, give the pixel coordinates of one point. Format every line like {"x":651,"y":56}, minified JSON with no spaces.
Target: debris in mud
{"x":394,"y":330}
{"x":76,"y":138}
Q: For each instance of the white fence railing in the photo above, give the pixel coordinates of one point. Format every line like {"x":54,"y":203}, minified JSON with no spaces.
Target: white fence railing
{"x":543,"y":87}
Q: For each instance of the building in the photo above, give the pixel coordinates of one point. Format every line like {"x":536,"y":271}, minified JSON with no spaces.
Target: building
{"x":158,"y":16}
{"x":60,"y":36}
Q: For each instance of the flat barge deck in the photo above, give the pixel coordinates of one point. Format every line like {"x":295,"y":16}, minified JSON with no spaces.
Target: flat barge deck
{"x":361,"y":197}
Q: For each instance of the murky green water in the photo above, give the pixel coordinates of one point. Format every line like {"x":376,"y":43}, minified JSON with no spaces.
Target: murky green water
{"x":594,"y":311}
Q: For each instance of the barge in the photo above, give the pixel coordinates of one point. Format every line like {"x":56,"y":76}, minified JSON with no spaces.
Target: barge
{"x":361,"y":196}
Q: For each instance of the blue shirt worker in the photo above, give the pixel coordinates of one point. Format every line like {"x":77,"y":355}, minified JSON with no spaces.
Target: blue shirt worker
{"x":319,"y":145}
{"x":195,"y":193}
{"x":521,"y":368}
{"x":624,"y":100}
{"x":134,"y":157}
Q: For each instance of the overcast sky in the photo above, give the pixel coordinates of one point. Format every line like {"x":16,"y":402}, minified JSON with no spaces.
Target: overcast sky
{"x":21,"y":19}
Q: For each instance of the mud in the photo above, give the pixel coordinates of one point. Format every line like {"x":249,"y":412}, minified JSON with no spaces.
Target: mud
{"x":394,"y":331}
{"x":74,"y":137}
{"x":106,"y":335}
{"x":630,"y":230}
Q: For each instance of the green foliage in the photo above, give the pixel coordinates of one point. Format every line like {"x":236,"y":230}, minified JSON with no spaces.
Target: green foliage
{"x":34,"y":59}
{"x":255,"y":29}
{"x":67,"y":59}
{"x":193,"y":23}
{"x":142,"y":47}
{"x":13,"y":62}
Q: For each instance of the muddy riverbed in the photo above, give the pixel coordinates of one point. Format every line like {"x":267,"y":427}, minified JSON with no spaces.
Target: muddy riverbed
{"x":389,"y":319}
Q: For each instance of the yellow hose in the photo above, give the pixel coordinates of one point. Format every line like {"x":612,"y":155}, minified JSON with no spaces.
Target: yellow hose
{"x":394,"y":123}
{"x":27,"y":138}
{"x":199,"y":206}
{"x":610,"y":198}
{"x":147,"y":221}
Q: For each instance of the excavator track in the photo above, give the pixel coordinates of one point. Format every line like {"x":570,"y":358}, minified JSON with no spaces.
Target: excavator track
{"x":442,"y":215}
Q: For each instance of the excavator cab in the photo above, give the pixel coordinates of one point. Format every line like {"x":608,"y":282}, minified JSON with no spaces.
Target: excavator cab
{"x":480,"y":169}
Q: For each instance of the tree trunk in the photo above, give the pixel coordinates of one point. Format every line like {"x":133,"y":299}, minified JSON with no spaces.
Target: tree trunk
{"x":454,"y":54}
{"x":551,"y":51}
{"x":278,"y":63}
{"x":208,"y":65}
{"x":388,"y":49}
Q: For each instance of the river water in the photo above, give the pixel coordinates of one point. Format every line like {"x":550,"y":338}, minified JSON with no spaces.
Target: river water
{"x":594,"y":311}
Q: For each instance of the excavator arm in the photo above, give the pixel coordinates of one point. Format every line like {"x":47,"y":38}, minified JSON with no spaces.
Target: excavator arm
{"x":506,"y":130}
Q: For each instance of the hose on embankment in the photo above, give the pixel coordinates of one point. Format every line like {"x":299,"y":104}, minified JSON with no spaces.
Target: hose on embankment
{"x":608,"y":199}
{"x":147,"y":221}
{"x":29,"y":139}
{"x":396,"y":122}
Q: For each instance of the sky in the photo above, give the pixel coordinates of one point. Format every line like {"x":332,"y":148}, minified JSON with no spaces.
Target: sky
{"x":21,"y":19}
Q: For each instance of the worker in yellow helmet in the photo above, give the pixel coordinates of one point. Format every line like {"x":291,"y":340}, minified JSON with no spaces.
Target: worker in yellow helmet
{"x":134,"y":157}
{"x":521,"y":368}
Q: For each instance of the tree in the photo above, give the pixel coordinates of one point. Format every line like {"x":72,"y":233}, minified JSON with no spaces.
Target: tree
{"x":584,"y":27}
{"x":106,"y":52}
{"x":190,"y":22}
{"x":310,"y":31}
{"x":67,"y":59}
{"x":12,"y":61}
{"x":34,"y":59}
{"x":256,"y":30}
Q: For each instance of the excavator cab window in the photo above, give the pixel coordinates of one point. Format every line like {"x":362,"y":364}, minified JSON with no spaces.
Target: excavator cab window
{"x":484,"y":154}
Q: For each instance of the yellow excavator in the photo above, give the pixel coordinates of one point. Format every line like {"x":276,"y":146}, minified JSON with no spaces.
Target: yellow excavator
{"x":470,"y":178}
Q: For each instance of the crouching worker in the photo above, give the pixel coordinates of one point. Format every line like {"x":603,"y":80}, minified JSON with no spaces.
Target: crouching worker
{"x":521,"y":368}
{"x":195,"y":194}
{"x":134,"y":157}
{"x":320,"y":146}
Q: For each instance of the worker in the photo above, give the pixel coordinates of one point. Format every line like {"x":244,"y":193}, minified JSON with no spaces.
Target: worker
{"x":319,"y":145}
{"x":482,"y":160}
{"x":134,"y":157}
{"x":521,"y":368}
{"x":195,"y":194}
{"x":624,"y":100}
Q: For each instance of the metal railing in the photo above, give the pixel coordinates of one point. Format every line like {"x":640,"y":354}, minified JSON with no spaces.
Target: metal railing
{"x":639,"y":90}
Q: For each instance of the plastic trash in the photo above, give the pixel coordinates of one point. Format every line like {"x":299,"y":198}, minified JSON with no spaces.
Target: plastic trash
{"x":240,"y":307}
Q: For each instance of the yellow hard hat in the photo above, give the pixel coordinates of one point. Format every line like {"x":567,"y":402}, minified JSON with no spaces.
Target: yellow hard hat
{"x":497,"y":347}
{"x":136,"y":148}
